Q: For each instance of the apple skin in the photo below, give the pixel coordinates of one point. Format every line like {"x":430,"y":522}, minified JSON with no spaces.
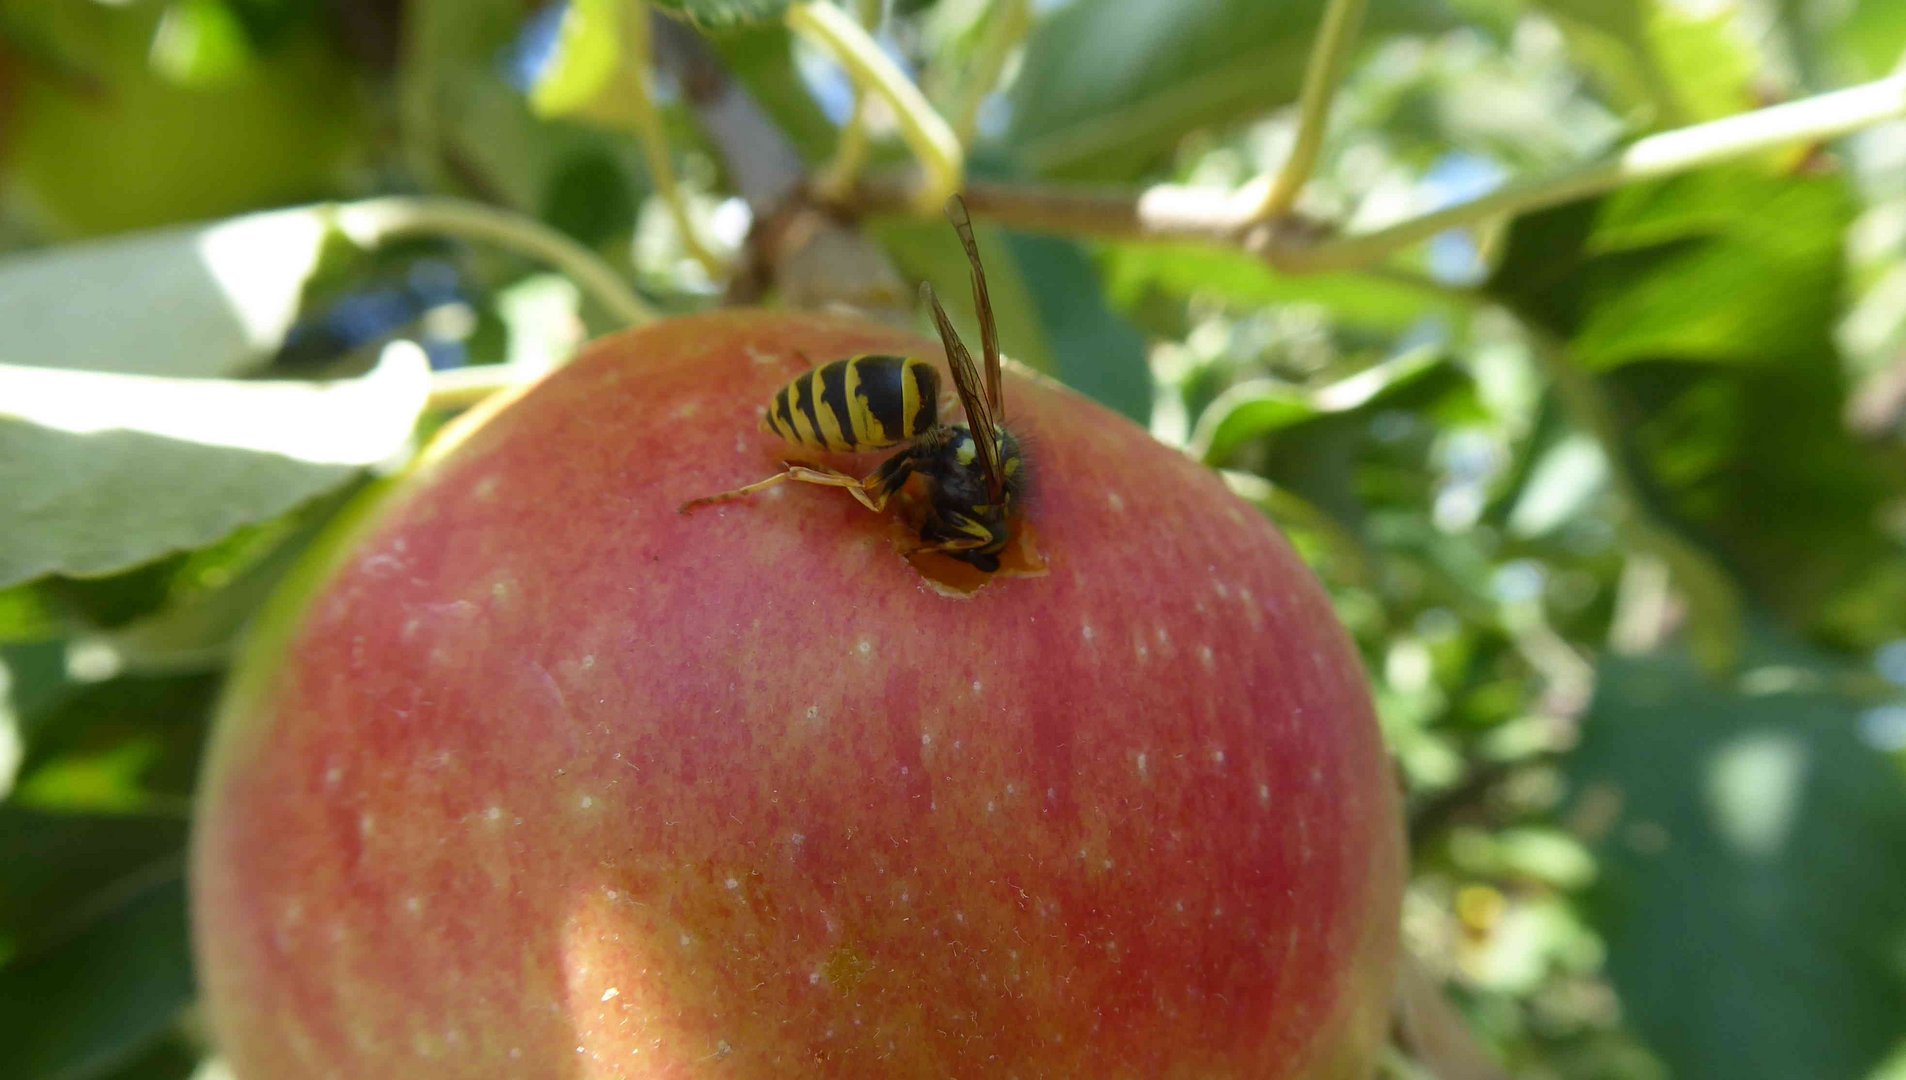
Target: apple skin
{"x":545,"y":779}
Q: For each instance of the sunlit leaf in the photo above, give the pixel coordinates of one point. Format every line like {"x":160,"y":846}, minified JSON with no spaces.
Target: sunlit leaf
{"x":1681,"y":66}
{"x":1260,"y":407}
{"x":105,"y":471}
{"x":206,"y":301}
{"x":1239,"y":279}
{"x":1749,"y":894}
{"x":1709,"y":304}
{"x":125,"y":745}
{"x":588,"y":49}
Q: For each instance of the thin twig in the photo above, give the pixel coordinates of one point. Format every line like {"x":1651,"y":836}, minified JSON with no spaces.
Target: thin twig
{"x":654,"y":139}
{"x":926,"y":133}
{"x":1811,"y":119}
{"x":850,"y":153}
{"x":1169,"y":212}
{"x":372,"y":222}
{"x":1328,"y":58}
{"x":850,"y":150}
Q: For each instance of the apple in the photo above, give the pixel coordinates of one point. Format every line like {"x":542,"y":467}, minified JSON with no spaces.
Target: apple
{"x":541,"y":778}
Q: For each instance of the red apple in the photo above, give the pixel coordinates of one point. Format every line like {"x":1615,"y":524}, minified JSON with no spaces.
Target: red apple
{"x":548,"y":780}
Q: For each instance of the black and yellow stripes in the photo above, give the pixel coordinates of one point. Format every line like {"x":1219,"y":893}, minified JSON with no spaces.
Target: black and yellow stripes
{"x":861,"y":403}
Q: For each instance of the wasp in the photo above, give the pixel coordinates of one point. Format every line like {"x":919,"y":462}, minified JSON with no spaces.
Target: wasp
{"x":974,"y":473}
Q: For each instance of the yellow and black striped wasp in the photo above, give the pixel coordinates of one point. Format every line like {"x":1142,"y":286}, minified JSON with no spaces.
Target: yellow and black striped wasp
{"x":974,"y":473}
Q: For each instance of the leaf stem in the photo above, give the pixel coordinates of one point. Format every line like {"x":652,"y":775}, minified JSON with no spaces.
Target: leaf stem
{"x":924,"y":130}
{"x":661,"y":165}
{"x":373,"y":222}
{"x":1328,"y":58}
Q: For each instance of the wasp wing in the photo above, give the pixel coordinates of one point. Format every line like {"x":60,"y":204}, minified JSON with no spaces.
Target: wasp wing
{"x":979,"y":418}
{"x":982,"y":303}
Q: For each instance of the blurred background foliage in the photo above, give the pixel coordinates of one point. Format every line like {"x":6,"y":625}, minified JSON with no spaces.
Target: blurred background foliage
{"x":1612,"y":495}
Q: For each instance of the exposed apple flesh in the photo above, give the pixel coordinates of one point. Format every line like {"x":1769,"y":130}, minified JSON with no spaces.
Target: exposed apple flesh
{"x":548,"y":780}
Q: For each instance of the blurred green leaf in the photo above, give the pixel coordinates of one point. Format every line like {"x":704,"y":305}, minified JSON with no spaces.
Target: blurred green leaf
{"x":1095,"y":351}
{"x":130,"y":744}
{"x":201,"y":43}
{"x":1727,"y":265}
{"x":1683,"y":66}
{"x":1751,"y":865}
{"x":470,"y":130}
{"x":928,"y":251}
{"x":211,"y":300}
{"x":1874,"y":34}
{"x":62,"y":872}
{"x":1708,"y":304}
{"x":1562,"y":482}
{"x":1261,"y":407}
{"x":106,"y":471}
{"x":587,"y":52}
{"x":98,"y":997}
{"x":762,"y":60}
{"x":157,"y":113}
{"x":27,"y":614}
{"x":170,"y":1058}
{"x":725,"y":14}
{"x":1237,"y":278}
{"x":1108,"y":87}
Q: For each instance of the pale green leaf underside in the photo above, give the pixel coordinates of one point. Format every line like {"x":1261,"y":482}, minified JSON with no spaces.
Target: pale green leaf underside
{"x":203,"y":301}
{"x":106,"y":471}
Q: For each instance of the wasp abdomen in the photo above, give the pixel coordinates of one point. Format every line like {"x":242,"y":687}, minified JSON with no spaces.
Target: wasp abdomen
{"x":861,"y":403}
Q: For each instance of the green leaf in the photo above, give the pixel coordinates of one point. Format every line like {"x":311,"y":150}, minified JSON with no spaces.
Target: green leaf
{"x":1750,"y":868}
{"x":588,"y":51}
{"x":1260,"y":407}
{"x":926,"y":250}
{"x":1131,"y":270}
{"x":726,"y":14}
{"x":102,"y":995}
{"x":1096,"y":352}
{"x":1707,"y":304}
{"x":106,"y":471}
{"x":1728,"y":265}
{"x":474,"y":133}
{"x":27,"y":614}
{"x":125,"y":745}
{"x":174,"y":1057}
{"x":762,"y":60}
{"x":201,"y":43}
{"x":63,"y":872}
{"x":207,"y":301}
{"x":1680,"y":65}
{"x":1846,"y":42}
{"x":1108,"y":87}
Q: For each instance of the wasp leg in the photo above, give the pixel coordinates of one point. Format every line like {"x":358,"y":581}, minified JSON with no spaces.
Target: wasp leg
{"x":867,"y":492}
{"x":947,"y":547}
